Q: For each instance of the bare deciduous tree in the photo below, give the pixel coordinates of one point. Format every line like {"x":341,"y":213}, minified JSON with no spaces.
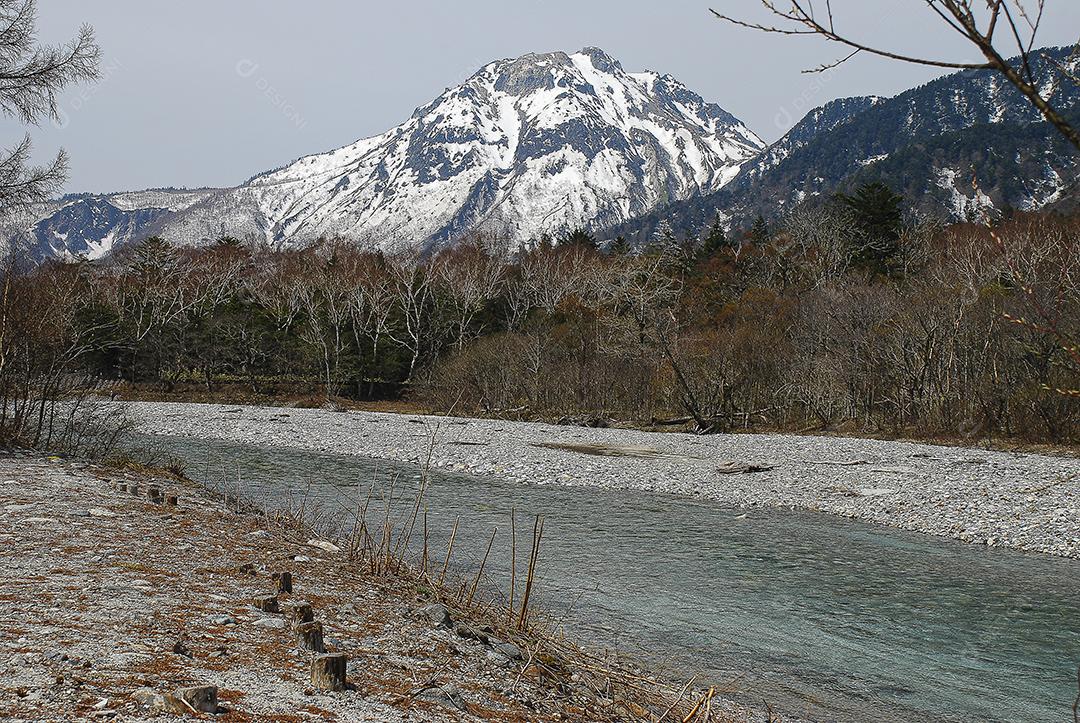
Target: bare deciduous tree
{"x":998,"y":29}
{"x":471,"y":275}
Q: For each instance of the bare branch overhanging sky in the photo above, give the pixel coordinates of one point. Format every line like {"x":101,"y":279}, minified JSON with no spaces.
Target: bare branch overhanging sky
{"x":209,"y":93}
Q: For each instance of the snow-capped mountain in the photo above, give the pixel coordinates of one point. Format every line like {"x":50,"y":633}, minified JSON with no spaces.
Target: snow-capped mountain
{"x":539,"y":144}
{"x":925,"y":143}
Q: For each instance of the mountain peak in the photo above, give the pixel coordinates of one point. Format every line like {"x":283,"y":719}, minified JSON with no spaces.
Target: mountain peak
{"x":538,"y":144}
{"x":601,"y":60}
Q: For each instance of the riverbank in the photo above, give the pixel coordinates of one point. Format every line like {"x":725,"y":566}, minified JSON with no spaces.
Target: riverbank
{"x":1021,"y":501}
{"x":117,"y":604}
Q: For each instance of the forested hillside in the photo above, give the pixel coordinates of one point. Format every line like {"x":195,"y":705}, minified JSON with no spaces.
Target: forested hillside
{"x":843,"y":318}
{"x":930,"y":142}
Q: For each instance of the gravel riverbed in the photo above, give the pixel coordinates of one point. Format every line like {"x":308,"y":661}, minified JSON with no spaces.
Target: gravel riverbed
{"x":117,"y":605}
{"x":1022,"y":501}
{"x":114,"y":602}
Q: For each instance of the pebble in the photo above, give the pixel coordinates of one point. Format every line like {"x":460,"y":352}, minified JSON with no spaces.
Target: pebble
{"x":438,"y":615}
{"x":509,"y":650}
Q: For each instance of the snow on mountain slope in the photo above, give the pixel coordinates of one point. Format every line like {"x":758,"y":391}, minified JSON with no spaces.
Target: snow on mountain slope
{"x":924,"y":143}
{"x":539,"y":144}
{"x":527,"y":146}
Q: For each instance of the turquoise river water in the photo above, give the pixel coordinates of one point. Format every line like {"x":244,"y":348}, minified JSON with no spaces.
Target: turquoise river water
{"x":822,"y":617}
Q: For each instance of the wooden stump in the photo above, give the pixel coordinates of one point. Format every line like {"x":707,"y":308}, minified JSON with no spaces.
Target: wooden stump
{"x":284,"y":581}
{"x":171,"y":500}
{"x":309,"y":637}
{"x":300,"y":613}
{"x":154,"y":493}
{"x":328,"y":672}
{"x":267,"y":603}
{"x":121,"y":486}
{"x":133,"y":489}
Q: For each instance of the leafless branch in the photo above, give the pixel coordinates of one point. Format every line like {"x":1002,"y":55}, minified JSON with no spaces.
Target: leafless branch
{"x":1023,"y":20}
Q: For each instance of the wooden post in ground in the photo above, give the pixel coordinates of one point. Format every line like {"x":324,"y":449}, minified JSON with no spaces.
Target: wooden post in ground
{"x":300,"y":613}
{"x":267,"y":603}
{"x":309,"y":636}
{"x":328,"y":672}
{"x":284,"y":581}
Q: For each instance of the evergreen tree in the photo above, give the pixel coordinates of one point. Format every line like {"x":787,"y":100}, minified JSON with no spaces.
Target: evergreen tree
{"x":877,"y":210}
{"x":879,"y":222}
{"x":619,"y":247}
{"x":581,"y":238}
{"x":716,"y":240}
{"x":151,"y":256}
{"x":229,"y":242}
{"x":759,"y":232}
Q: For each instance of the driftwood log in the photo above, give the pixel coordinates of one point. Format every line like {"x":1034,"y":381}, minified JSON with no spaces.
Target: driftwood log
{"x":309,"y":636}
{"x":328,"y":672}
{"x":733,"y":467}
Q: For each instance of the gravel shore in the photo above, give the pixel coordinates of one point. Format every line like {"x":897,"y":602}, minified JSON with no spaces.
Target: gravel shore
{"x":118,"y":607}
{"x":1022,"y":501}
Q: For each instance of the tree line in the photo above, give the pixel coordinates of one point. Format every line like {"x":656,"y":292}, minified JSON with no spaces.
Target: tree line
{"x":842,"y":317}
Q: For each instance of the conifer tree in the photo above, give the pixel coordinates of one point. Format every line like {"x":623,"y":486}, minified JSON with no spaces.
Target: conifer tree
{"x":581,"y":238}
{"x":619,"y":247}
{"x":31,"y":79}
{"x":759,"y":232}
{"x":716,"y":240}
{"x":879,"y":222}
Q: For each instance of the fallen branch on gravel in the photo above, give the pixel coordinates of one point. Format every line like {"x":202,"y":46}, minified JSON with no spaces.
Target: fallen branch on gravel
{"x":732,"y":467}
{"x":677,"y":700}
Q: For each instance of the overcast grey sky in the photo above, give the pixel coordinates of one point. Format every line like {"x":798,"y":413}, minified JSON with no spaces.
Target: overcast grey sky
{"x":209,"y":92}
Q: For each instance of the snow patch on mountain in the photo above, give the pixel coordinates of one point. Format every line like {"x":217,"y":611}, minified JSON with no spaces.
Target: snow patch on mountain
{"x":961,"y":204}
{"x":525,"y":147}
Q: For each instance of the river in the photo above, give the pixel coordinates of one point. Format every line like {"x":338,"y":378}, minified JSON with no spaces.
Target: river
{"x":822,"y":617}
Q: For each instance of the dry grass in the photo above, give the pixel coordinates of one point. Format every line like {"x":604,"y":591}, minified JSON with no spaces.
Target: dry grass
{"x":383,"y":549}
{"x":139,"y":582}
